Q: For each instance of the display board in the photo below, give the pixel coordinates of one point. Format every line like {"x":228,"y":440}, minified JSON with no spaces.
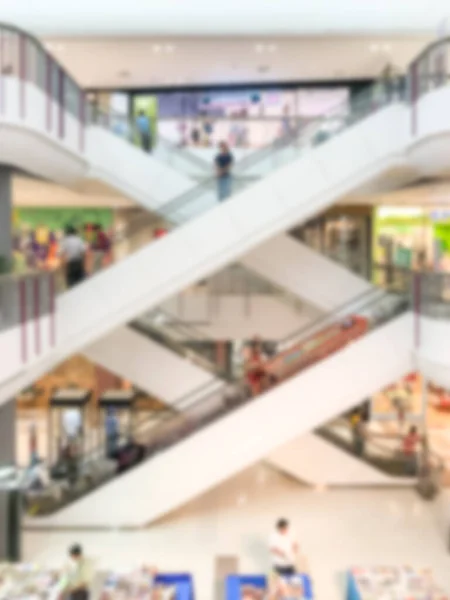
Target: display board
{"x":393,"y":583}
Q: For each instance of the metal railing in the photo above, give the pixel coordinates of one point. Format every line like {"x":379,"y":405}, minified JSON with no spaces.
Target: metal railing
{"x":25,"y":297}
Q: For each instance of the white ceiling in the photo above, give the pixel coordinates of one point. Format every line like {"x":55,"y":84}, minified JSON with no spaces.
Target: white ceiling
{"x":241,"y":17}
{"x":181,"y":61}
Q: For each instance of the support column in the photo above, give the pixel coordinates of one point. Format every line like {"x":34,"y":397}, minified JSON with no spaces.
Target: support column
{"x":6,"y":239}
{"x":10,"y":497}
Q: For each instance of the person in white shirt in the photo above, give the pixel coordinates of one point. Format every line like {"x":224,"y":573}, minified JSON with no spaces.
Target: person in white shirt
{"x":72,"y":251}
{"x":283,"y":549}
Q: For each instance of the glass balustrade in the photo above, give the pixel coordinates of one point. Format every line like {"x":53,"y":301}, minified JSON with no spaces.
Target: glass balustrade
{"x":384,"y":452}
{"x":291,"y":356}
{"x":203,"y":197}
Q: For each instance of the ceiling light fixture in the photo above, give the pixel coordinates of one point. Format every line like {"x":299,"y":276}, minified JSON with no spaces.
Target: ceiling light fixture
{"x":374,"y":48}
{"x":156,"y":48}
{"x":272,"y":47}
{"x":259,"y":48}
{"x":170,"y":48}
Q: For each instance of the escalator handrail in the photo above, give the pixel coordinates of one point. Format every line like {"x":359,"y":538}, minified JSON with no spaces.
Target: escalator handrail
{"x":223,"y":386}
{"x":253,"y":159}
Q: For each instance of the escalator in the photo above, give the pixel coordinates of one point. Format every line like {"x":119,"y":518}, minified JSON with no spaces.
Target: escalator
{"x":196,"y":444}
{"x":169,"y":343}
{"x":208,"y":236}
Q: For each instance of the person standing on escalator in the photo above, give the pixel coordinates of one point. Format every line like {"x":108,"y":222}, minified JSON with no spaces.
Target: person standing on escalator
{"x":144,"y":131}
{"x":73,"y":253}
{"x":224,"y":163}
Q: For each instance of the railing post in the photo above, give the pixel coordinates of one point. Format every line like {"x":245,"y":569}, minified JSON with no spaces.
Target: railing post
{"x":62,"y":109}
{"x":2,"y":77}
{"x":49,"y":90}
{"x":22,"y":75}
{"x":417,"y":290}
{"x":82,"y":117}
{"x":414,"y":93}
{"x":23,"y":319}
{"x":51,"y":286}
{"x":37,"y":314}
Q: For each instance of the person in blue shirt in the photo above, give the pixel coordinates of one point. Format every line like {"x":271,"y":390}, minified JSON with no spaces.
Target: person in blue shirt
{"x":144,"y":131}
{"x":224,"y":163}
{"x":112,"y":432}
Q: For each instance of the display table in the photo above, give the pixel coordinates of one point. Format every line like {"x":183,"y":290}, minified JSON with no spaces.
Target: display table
{"x":234,"y":584}
{"x":183,"y":582}
{"x":392,"y":583}
{"x":143,"y":585}
{"x":23,"y":581}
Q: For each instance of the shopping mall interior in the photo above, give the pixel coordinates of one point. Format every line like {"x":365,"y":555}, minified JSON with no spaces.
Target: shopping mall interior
{"x":224,"y":300}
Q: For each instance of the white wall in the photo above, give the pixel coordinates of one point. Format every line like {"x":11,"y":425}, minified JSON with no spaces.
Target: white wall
{"x":237,"y":317}
{"x":430,"y":127}
{"x":314,"y":461}
{"x":149,"y":365}
{"x":294,"y":267}
{"x":432,"y":353}
{"x":245,"y":436}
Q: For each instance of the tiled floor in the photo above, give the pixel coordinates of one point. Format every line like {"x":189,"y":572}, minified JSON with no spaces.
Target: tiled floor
{"x":336,"y":529}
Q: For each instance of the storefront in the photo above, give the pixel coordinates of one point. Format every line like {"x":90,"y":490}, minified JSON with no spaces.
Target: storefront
{"x":412,"y":238}
{"x":37,"y":232}
{"x":248,"y":118}
{"x":342,"y":234}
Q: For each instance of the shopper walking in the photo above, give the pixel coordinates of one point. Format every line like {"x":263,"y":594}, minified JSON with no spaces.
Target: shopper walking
{"x":79,"y":576}
{"x":101,"y":247}
{"x":112,"y":433}
{"x":144,"y":131}
{"x":73,"y":252}
{"x":410,"y":454}
{"x":283,"y":549}
{"x":224,"y":163}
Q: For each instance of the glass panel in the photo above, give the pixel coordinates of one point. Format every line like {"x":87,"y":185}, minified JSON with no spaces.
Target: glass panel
{"x":41,"y":75}
{"x":292,"y":355}
{"x":31,"y":60}
{"x":20,"y":296}
{"x":10,"y":53}
{"x":54,"y":79}
{"x":72,"y":97}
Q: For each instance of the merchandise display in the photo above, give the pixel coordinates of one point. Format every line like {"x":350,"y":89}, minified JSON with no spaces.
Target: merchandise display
{"x":410,"y":238}
{"x":259,"y":587}
{"x":146,"y":584}
{"x":28,"y":582}
{"x":393,"y":583}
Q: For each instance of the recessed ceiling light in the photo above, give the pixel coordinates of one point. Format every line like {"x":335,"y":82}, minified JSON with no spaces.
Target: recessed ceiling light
{"x":259,"y":48}
{"x":156,"y":48}
{"x":386,"y":47}
{"x":272,"y":47}
{"x":374,"y":48}
{"x":170,"y":48}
